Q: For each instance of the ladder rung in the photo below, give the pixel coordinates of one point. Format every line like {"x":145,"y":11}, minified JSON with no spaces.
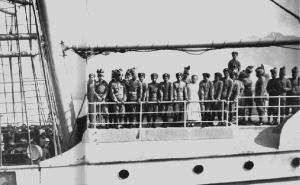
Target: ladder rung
{"x":6,"y":11}
{"x":5,"y":54}
{"x":22,"y":36}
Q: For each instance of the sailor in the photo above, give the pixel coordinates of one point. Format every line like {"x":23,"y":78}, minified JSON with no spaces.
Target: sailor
{"x":227,"y":90}
{"x":185,"y":75}
{"x":234,"y":64}
{"x":206,"y":92}
{"x":165,"y":94}
{"x":260,"y":93}
{"x":179,"y":94}
{"x":134,"y":95}
{"x":91,"y":96}
{"x":118,"y":94}
{"x":144,"y":95}
{"x":152,"y":96}
{"x":101,"y":88}
{"x":272,"y":101}
{"x":193,"y":108}
{"x":217,"y":105}
{"x":248,"y":92}
{"x":282,"y":85}
{"x":295,"y":91}
{"x":234,"y":95}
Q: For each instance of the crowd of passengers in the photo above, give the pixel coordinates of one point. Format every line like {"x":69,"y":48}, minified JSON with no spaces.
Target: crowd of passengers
{"x":234,"y":83}
{"x":16,"y":143}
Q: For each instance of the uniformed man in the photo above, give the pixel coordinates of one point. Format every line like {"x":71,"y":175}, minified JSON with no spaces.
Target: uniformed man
{"x":152,"y":96}
{"x":217,"y":106}
{"x":295,"y":82}
{"x":134,"y":95}
{"x":248,"y":92}
{"x":179,"y":94}
{"x":127,"y":106}
{"x":110,"y":106}
{"x":234,"y":64}
{"x":91,"y":96}
{"x":118,"y":94}
{"x":227,"y":90}
{"x":282,"y":85}
{"x":241,"y":100}
{"x":185,"y":75}
{"x":259,"y":93}
{"x":166,"y":94}
{"x":272,"y":101}
{"x":206,"y":92}
{"x":234,"y":95}
{"x":143,"y":96}
{"x":101,"y":88}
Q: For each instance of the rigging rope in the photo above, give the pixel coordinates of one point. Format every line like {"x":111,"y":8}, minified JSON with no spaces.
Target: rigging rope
{"x":286,"y":10}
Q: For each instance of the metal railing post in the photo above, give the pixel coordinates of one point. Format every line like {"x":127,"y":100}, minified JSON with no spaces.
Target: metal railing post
{"x":227,"y":113}
{"x":279,"y":117}
{"x":141,"y":110}
{"x":237,"y":111}
{"x":184,"y":113}
{"x":100,"y":110}
{"x":95,"y":113}
{"x":222,"y":110}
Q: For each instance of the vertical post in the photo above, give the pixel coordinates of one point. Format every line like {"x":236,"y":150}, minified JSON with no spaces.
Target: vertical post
{"x":279,"y":109}
{"x":222,"y":110}
{"x":54,"y":136}
{"x":100,"y":110}
{"x":141,"y":107}
{"x":237,"y":111}
{"x":184,"y":113}
{"x":95,"y":114}
{"x":227,"y":113}
{"x":0,"y":142}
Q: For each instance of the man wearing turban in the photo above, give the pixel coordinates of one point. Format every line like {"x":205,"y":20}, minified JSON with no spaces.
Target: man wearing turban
{"x":217,"y":106}
{"x":152,"y":96}
{"x":179,"y":94}
{"x":234,"y":64}
{"x":185,"y":75}
{"x":118,"y":94}
{"x":227,"y":89}
{"x":206,"y":92}
{"x":273,"y":102}
{"x":144,"y":95}
{"x":165,"y":94}
{"x":234,"y":95}
{"x":295,"y":82}
{"x":260,"y":93}
{"x":101,"y":87}
{"x":248,"y":92}
{"x":282,"y":85}
{"x":92,"y":97}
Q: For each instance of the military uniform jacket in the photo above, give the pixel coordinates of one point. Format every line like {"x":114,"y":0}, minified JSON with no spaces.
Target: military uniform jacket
{"x":234,"y":64}
{"x":295,"y":83}
{"x":187,"y":80}
{"x":241,"y":87}
{"x":179,"y":91}
{"x":134,"y":90}
{"x":153,"y":92}
{"x":271,"y":87}
{"x":260,"y":88}
{"x":235,"y":91}
{"x":218,"y":85}
{"x":101,"y":89}
{"x":165,"y":91}
{"x":227,"y":88}
{"x":144,"y":91}
{"x":206,"y":90}
{"x":247,"y":86}
{"x":118,"y":91}
{"x":91,"y":93}
{"x":282,"y":86}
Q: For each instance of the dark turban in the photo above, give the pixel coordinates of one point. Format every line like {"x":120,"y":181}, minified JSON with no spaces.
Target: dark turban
{"x":154,"y":75}
{"x":226,"y":70}
{"x":249,"y":69}
{"x":235,"y":53}
{"x":118,"y":72}
{"x":141,"y":75}
{"x":133,"y":71}
{"x":243,"y":75}
{"x":273,"y":71}
{"x":178,"y":74}
{"x":206,"y":75}
{"x":100,"y":72}
{"x":295,"y":70}
{"x":92,"y":75}
{"x":186,"y":70}
{"x":260,"y":70}
{"x":166,"y":75}
{"x":282,"y":71}
{"x":218,"y":74}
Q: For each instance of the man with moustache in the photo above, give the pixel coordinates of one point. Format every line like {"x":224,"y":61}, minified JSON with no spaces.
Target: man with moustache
{"x":179,"y":94}
{"x":206,"y":92}
{"x":234,"y":64}
{"x":259,"y":93}
{"x":144,"y":95}
{"x":234,"y":95}
{"x":227,"y":90}
{"x":248,"y":92}
{"x":295,"y":91}
{"x":152,"y":96}
{"x":273,"y":102}
{"x":217,"y":106}
{"x":165,"y":94}
{"x":101,"y":88}
{"x":91,"y":96}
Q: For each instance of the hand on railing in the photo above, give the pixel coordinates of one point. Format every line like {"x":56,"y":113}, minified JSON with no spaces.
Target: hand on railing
{"x":158,"y":101}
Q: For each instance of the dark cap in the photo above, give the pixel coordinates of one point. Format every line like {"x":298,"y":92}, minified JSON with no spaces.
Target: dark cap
{"x":206,"y":75}
{"x":154,"y":75}
{"x":178,"y":74}
{"x":166,"y":75}
{"x":141,"y":75}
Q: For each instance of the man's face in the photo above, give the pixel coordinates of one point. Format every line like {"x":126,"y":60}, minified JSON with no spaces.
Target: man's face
{"x":128,"y":77}
{"x":134,"y":76}
{"x":179,"y":78}
{"x":217,"y":77}
{"x":92,"y":78}
{"x":166,"y":79}
{"x":226,"y":74}
{"x":205,"y":78}
{"x":281,"y":75}
{"x":142,"y":78}
{"x":234,"y":55}
{"x":232,"y":77}
{"x":194,"y":79}
{"x":294,"y":75}
{"x":120,"y":77}
{"x":100,"y":78}
{"x":153,"y":78}
{"x":274,"y":75}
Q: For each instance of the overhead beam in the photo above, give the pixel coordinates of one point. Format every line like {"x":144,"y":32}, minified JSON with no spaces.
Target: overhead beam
{"x":4,"y":10}
{"x":6,"y":54}
{"x":22,"y":2}
{"x":21,"y":36}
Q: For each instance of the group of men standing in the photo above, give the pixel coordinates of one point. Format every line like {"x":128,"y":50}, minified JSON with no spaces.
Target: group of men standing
{"x":166,"y":98}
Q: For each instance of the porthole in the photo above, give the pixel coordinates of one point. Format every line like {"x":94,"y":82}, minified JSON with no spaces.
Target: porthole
{"x":123,"y":174}
{"x":248,"y":165}
{"x":198,"y":169}
{"x":295,"y":162}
